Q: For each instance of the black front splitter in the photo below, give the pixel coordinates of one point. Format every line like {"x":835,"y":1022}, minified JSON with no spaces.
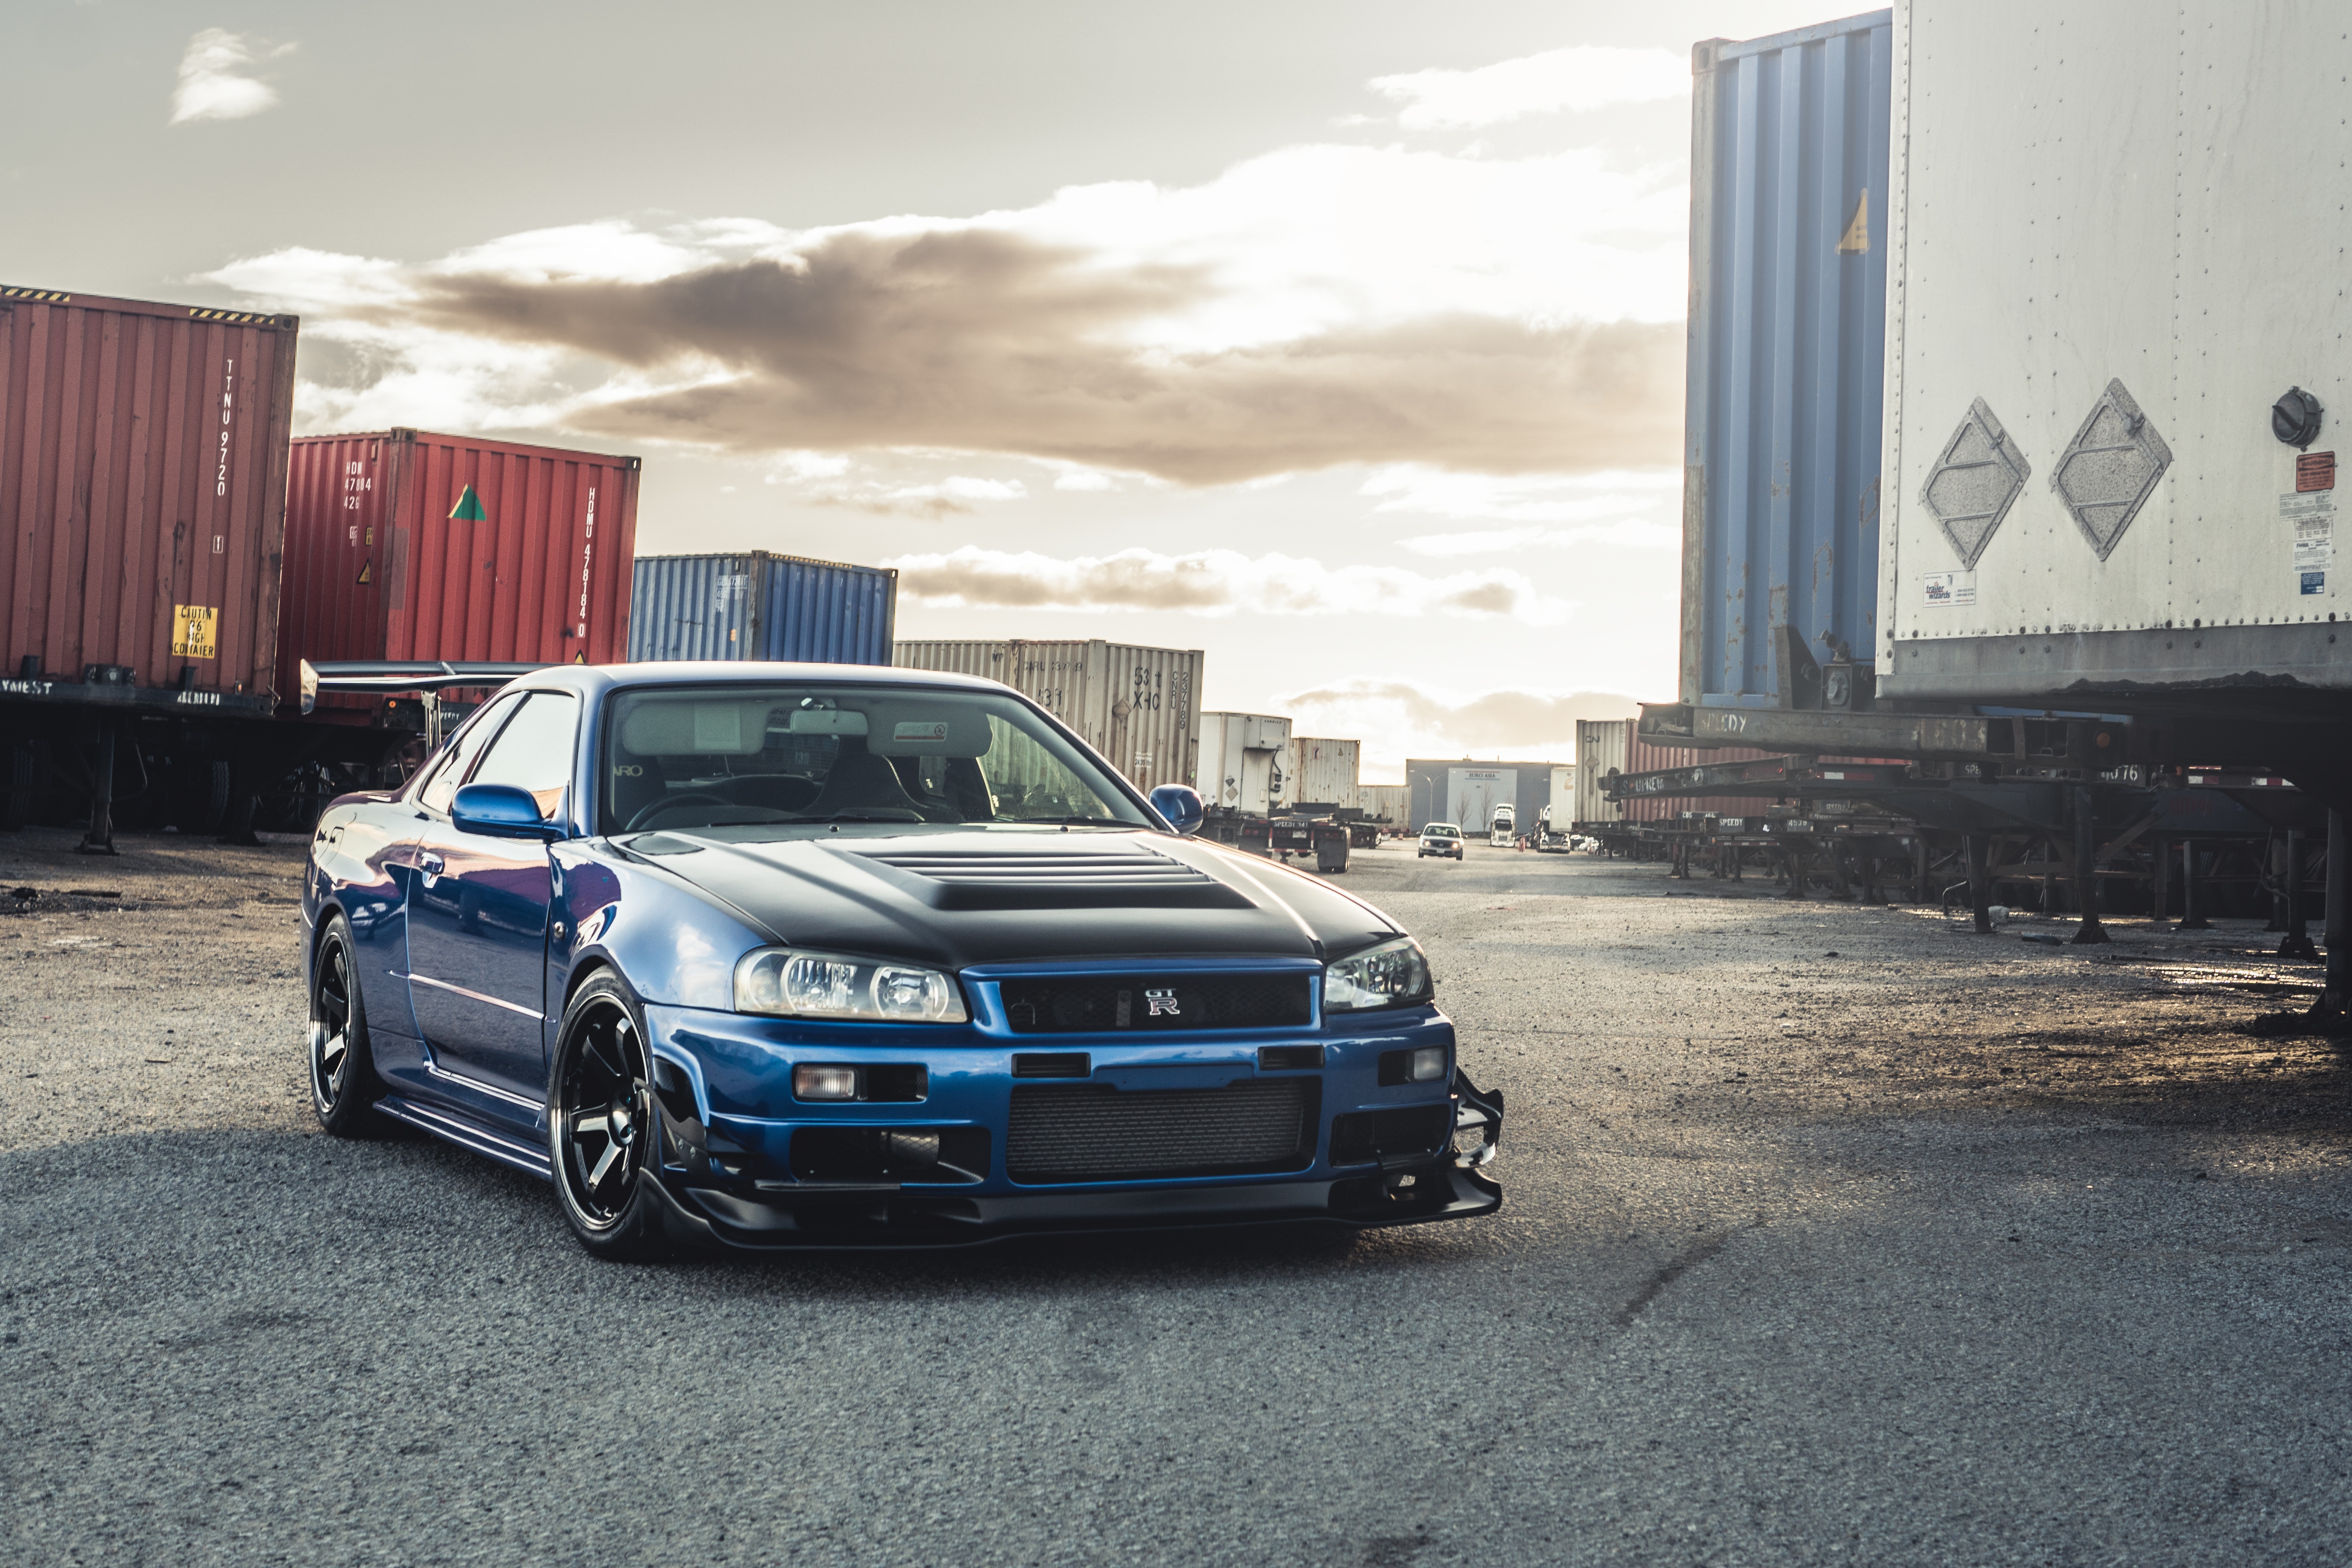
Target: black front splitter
{"x":929,"y":1220}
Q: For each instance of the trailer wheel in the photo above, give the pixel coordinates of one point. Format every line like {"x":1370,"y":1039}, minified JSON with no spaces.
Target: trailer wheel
{"x":17,"y":790}
{"x":200,"y":796}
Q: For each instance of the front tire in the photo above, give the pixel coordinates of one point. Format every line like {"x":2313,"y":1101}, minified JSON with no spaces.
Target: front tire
{"x":601,"y":1126}
{"x":343,"y":1081}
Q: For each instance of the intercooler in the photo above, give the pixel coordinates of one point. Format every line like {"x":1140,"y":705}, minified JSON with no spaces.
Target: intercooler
{"x":1089,"y":1132}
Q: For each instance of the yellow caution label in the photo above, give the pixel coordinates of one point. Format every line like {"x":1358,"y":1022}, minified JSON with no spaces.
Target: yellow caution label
{"x":367,"y":572}
{"x":1857,"y":232}
{"x":194,"y":631}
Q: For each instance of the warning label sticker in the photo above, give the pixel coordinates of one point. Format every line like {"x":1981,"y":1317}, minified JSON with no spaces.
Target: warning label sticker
{"x":2314,"y":519}
{"x":936,"y":731}
{"x":1950,"y":588}
{"x":194,"y":630}
{"x":2315,"y":471}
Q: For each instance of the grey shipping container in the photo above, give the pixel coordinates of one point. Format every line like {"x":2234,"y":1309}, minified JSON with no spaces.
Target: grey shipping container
{"x":760,"y":605}
{"x":1138,"y":706}
{"x":1790,"y":139}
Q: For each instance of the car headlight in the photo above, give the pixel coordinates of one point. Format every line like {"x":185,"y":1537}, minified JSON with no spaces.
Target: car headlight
{"x":787,"y":984}
{"x":1394,"y":974}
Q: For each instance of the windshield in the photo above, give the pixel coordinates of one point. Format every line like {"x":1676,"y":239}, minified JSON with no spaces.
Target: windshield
{"x":1442,"y":830}
{"x":729,"y":756}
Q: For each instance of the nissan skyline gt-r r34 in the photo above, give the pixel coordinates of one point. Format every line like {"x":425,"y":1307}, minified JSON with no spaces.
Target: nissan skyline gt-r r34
{"x":801,"y":955}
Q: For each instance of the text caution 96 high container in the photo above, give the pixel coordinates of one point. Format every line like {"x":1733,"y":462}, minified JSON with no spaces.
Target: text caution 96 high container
{"x":761,"y":605}
{"x":402,"y":544}
{"x":1139,"y":707}
{"x":142,"y":495}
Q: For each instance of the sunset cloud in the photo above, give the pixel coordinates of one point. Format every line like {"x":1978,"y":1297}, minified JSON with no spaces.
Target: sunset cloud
{"x":1402,"y":719}
{"x":1214,"y":583}
{"x":1316,"y":306}
{"x":217,"y":79}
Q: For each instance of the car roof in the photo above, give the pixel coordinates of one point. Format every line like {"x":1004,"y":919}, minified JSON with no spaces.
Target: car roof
{"x":595,"y":679}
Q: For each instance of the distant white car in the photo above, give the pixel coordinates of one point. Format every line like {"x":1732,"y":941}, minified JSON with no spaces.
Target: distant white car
{"x":1440,"y":838}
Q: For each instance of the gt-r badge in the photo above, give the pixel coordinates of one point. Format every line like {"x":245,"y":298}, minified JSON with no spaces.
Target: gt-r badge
{"x":1161,"y":1001}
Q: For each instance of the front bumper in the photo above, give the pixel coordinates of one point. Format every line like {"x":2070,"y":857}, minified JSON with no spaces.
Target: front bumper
{"x":728,"y":1175}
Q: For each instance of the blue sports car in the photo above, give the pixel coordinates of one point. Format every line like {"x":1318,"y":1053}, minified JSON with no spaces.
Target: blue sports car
{"x":776,"y":955}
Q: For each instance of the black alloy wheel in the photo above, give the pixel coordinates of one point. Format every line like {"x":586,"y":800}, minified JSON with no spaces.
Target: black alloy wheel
{"x":601,"y":1124}
{"x":343,"y":1083}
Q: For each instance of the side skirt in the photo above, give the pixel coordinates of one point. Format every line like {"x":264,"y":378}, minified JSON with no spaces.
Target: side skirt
{"x":469,"y":1135}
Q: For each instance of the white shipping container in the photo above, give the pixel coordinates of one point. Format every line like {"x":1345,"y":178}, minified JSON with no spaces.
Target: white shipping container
{"x":1388,"y":804}
{"x":1323,"y":771}
{"x":1243,"y":762}
{"x":1601,"y":748}
{"x":1139,"y":707}
{"x":2117,"y":241}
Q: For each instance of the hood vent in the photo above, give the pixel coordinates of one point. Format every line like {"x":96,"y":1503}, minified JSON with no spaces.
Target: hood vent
{"x":1029,"y":878}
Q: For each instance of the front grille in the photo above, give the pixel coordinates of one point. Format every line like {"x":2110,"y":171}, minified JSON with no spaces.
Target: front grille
{"x":1090,"y":1133}
{"x":1362,"y":1136}
{"x":1070,"y":1004}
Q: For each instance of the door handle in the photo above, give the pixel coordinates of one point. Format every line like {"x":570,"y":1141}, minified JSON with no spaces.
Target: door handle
{"x":431,"y":865}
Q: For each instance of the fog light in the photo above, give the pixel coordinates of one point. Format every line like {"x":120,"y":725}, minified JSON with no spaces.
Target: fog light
{"x":825,"y":1083}
{"x":1429,"y":1064}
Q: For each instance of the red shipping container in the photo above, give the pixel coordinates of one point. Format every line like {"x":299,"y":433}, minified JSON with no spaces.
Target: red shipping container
{"x":142,"y":486}
{"x":401,"y":544}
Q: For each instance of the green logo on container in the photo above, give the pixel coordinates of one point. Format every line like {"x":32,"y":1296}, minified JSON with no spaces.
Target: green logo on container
{"x":468,"y":509}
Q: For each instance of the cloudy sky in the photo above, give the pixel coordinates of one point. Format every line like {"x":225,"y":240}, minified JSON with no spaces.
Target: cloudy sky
{"x":1342,"y":340}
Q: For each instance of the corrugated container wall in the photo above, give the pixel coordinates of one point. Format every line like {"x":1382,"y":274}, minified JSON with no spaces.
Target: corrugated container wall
{"x":143,"y":484}
{"x":761,"y":606}
{"x":402,"y":544}
{"x":1386,"y":804}
{"x":1781,"y":498}
{"x":2121,"y":359}
{"x":1139,"y":707}
{"x":1323,"y":772}
{"x":1642,"y":757}
{"x":1600,"y":750}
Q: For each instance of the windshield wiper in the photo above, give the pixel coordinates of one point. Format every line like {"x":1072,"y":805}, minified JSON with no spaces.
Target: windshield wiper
{"x":861,"y":813}
{"x":1065,"y":822}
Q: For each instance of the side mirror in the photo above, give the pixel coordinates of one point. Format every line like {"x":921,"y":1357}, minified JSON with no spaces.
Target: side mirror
{"x":500,"y":811}
{"x":1180,"y":804}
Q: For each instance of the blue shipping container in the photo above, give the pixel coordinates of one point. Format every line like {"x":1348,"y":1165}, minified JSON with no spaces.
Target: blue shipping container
{"x":1790,"y":139}
{"x":762,"y":606}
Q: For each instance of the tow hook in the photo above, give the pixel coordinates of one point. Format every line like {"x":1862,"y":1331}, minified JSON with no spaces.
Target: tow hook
{"x":1478,"y":1110}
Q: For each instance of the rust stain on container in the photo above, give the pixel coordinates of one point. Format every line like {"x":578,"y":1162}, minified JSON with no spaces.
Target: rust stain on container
{"x":142,"y":486}
{"x":406,"y":545}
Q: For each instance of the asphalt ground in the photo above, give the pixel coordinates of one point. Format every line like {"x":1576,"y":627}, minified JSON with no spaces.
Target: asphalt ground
{"x":1834,"y":1235}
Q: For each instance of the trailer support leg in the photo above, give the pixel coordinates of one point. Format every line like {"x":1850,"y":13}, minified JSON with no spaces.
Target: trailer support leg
{"x":2193,"y":908}
{"x":2086,"y":872}
{"x":1920,"y":869}
{"x":1797,"y":867}
{"x":2272,"y":854}
{"x":1974,"y":847}
{"x":2159,"y":891}
{"x":2298,"y":926}
{"x":99,"y":838}
{"x":2338,"y":920}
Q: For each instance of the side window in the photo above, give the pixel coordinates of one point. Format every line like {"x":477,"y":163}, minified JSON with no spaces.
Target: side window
{"x":443,"y":785}
{"x":534,"y":752}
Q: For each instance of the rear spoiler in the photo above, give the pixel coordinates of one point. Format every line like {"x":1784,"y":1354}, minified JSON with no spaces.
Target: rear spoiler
{"x":404,"y":675}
